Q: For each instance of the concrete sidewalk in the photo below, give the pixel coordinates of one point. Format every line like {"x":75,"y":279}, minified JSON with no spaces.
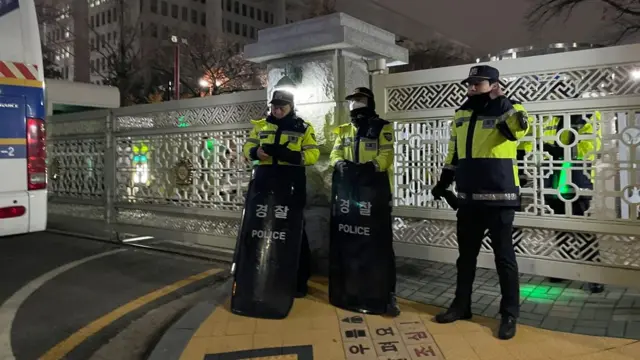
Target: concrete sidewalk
{"x":317,"y":330}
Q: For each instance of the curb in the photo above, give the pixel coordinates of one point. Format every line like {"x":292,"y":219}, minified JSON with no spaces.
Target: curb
{"x":177,"y":337}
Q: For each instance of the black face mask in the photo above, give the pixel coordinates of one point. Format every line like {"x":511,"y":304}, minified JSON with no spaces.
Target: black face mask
{"x":479,"y":100}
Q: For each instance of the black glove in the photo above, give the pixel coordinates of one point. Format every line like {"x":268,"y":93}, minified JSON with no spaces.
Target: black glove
{"x":269,"y":149}
{"x":554,"y":150}
{"x":343,"y":166}
{"x":367,"y":169}
{"x":439,"y":190}
{"x":446,"y":179}
{"x":282,"y":152}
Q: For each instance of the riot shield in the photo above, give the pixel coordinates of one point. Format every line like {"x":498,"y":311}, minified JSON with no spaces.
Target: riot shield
{"x":267,"y":252}
{"x":362,"y":264}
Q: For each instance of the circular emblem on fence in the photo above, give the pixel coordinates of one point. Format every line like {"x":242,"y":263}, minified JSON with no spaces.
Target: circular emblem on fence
{"x":184,"y":172}
{"x":54,"y":169}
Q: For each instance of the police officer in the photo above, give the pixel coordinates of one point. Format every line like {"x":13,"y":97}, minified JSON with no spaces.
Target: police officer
{"x":283,"y":144}
{"x":481,"y":159}
{"x":584,"y":150}
{"x":366,"y":143}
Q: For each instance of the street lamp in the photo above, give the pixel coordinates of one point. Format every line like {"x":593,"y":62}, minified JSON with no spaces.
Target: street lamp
{"x":206,"y":84}
{"x":176,"y":64}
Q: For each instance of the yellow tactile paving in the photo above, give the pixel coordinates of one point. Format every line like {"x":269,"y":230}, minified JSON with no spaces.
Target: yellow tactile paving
{"x":336,"y":334}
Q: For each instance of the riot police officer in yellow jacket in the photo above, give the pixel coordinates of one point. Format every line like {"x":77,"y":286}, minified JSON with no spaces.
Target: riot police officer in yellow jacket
{"x":367,"y":144}
{"x":481,"y":159}
{"x":283,"y":144}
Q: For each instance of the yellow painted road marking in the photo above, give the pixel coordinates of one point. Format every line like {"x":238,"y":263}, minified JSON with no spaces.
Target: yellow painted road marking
{"x":66,"y":346}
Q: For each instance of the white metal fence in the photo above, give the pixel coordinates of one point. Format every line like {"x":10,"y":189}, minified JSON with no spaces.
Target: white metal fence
{"x":601,"y":244}
{"x":175,"y":170}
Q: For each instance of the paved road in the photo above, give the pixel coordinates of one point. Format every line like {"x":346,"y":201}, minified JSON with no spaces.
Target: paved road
{"x":67,"y":296}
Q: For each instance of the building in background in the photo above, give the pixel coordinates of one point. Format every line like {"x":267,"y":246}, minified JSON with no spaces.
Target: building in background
{"x":80,"y":44}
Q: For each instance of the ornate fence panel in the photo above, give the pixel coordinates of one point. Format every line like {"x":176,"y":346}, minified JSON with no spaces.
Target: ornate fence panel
{"x":172,"y":170}
{"x":592,"y":235}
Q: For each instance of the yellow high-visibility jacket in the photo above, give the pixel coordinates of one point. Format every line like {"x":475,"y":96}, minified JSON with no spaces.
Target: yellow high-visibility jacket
{"x":296,"y":133}
{"x":376,"y":146}
{"x":482,"y":151}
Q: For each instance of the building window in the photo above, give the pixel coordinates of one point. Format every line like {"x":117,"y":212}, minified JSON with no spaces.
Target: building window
{"x":104,"y":18}
{"x":174,"y":11}
{"x":229,"y":5}
{"x":92,"y":22}
{"x":165,"y":32}
{"x":185,"y":14}
{"x":266,"y":17}
{"x":154,"y":30}
{"x":109,"y":37}
{"x":194,"y":16}
{"x":93,"y":43}
{"x":229,"y":29}
{"x":164,"y":8}
{"x":271,"y":16}
{"x":244,"y":30}
{"x":154,"y":6}
{"x":251,"y":12}
{"x":108,"y":17}
{"x":253,"y":32}
{"x":236,"y":7}
{"x":141,"y":6}
{"x":203,"y":1}
{"x":259,"y":13}
{"x":237,"y":29}
{"x":244,"y":10}
{"x":115,"y":16}
{"x":203,"y":19}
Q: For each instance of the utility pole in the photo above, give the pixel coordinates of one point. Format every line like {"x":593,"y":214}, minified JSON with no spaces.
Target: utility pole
{"x":280,"y":11}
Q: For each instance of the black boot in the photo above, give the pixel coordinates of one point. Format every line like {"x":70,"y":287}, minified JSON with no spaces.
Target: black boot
{"x":301,"y":291}
{"x":507,"y":328}
{"x":393,"y":309}
{"x":596,"y":288}
{"x":451,"y":315}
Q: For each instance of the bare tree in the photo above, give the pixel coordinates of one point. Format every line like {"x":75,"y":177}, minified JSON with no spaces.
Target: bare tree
{"x":624,"y":15}
{"x":121,"y":53}
{"x":211,"y":66}
{"x":51,"y":70}
{"x":432,"y":54}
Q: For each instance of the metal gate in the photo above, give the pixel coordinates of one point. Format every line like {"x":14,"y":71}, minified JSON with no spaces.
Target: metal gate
{"x":172,"y":170}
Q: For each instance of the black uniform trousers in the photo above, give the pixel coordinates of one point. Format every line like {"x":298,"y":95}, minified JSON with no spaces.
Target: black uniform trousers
{"x":473,"y":221}
{"x":574,"y":245}
{"x":271,"y":176}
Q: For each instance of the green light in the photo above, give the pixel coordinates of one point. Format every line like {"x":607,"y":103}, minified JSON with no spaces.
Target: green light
{"x":136,"y":158}
{"x":541,"y":294}
{"x":211,"y":144}
{"x":562,"y":186}
{"x":181,"y":122}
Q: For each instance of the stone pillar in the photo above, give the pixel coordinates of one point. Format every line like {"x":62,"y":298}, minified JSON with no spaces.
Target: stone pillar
{"x":326,"y":57}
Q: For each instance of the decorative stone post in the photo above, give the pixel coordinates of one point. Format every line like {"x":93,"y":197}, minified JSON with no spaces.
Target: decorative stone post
{"x":322,"y":59}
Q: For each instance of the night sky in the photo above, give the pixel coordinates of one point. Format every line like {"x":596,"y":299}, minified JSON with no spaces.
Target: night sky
{"x":492,"y":25}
